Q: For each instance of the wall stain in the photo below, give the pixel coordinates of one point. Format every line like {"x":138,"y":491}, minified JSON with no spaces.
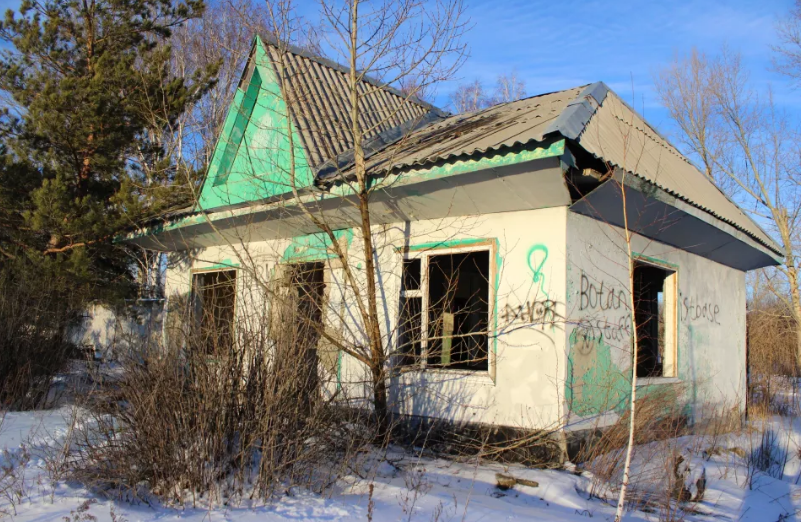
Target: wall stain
{"x":594,"y":383}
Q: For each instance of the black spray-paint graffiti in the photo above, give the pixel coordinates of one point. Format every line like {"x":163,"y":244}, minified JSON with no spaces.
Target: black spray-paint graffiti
{"x":595,"y":297}
{"x":531,"y":312}
{"x":614,"y":330}
{"x":694,"y":309}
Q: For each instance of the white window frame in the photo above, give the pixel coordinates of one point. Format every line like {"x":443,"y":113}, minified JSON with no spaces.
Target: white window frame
{"x":424,"y":255}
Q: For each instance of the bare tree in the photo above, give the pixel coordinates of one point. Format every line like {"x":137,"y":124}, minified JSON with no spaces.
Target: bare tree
{"x":396,"y":43}
{"x":468,"y":97}
{"x":509,"y":87}
{"x":740,"y":137}
{"x":472,"y":96}
{"x":788,"y":52}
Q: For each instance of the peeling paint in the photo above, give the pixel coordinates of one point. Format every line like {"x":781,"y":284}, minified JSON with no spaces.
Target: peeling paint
{"x":314,"y":247}
{"x":594,"y":383}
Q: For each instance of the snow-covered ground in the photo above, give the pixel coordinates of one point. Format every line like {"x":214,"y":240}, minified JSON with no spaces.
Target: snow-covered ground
{"x":409,"y":488}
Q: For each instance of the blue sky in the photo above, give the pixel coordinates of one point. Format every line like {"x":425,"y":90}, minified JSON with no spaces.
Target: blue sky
{"x":560,"y":44}
{"x":556,"y":45}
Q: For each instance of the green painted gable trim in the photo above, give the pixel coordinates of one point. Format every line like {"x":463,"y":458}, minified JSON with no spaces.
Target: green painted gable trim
{"x":254,"y":156}
{"x":410,"y":177}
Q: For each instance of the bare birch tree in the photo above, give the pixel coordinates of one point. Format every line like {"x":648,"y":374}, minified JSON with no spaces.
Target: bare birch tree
{"x":741,"y":139}
{"x":472,"y":96}
{"x":398,"y":43}
{"x":468,"y":97}
{"x":509,"y":87}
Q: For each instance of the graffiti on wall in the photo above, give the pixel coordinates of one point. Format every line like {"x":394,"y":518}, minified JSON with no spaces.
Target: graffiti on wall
{"x":541,"y":309}
{"x":530,"y":312}
{"x":595,"y":297}
{"x":693,"y":309}
{"x":537,"y":256}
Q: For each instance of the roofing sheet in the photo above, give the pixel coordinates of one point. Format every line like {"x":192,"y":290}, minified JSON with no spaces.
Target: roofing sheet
{"x":319,"y":98}
{"x":618,"y":135}
{"x":518,"y":122}
{"x":592,"y":115}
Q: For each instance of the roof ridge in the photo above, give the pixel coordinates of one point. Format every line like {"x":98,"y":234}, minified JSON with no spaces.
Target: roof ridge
{"x":326,"y":62}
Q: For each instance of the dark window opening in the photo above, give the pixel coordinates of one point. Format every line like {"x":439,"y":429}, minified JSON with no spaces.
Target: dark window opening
{"x":650,"y":292}
{"x":411,"y":312}
{"x":214,"y":297}
{"x":307,"y":282}
{"x":307,"y":290}
{"x":411,"y":330}
{"x":458,"y":311}
{"x":412,"y":274}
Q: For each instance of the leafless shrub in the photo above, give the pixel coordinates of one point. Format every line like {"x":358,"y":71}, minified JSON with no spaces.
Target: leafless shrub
{"x":767,"y":454}
{"x":668,"y":475}
{"x":81,"y":513}
{"x":36,"y":309}
{"x":771,"y":359}
{"x":227,"y":411}
{"x":12,"y":477}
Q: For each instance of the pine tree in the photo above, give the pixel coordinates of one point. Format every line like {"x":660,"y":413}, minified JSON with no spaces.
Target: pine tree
{"x":81,"y":159}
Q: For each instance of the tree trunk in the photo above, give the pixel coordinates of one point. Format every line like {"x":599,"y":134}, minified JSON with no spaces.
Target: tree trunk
{"x":634,"y":346}
{"x":377,"y":358}
{"x":795,"y":298}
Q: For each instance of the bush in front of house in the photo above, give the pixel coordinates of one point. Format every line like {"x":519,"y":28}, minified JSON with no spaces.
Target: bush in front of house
{"x":217,"y":416}
{"x":37,"y":307}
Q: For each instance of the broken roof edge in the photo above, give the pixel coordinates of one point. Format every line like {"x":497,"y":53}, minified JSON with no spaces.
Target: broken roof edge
{"x":334,"y":168}
{"x":327,"y":62}
{"x":572,"y":122}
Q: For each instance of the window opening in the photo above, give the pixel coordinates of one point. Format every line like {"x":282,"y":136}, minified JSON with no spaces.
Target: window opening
{"x":411,"y":312}
{"x":452,"y":299}
{"x":214,"y":298}
{"x":655,"y":317}
{"x":307,"y":289}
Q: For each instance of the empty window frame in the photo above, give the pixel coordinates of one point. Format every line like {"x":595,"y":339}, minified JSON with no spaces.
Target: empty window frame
{"x":655,"y":316}
{"x":214,"y":303}
{"x":306,"y":300}
{"x":445,"y":310}
{"x":307,"y":289}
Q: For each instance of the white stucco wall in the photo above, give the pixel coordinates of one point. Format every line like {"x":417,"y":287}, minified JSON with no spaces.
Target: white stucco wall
{"x":711,"y":312}
{"x":110,"y":333}
{"x":528,"y":275}
{"x":541,"y":259}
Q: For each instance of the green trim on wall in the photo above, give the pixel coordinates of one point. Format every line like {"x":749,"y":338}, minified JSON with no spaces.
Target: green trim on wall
{"x":314,"y":247}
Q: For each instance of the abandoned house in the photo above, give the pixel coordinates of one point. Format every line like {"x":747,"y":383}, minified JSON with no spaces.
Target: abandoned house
{"x":502,"y":266}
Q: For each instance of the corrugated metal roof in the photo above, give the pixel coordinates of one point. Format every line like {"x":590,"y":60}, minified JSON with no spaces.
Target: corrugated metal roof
{"x":320,"y":102}
{"x":593,"y":116}
{"x":517,"y":122}
{"x":618,"y":135}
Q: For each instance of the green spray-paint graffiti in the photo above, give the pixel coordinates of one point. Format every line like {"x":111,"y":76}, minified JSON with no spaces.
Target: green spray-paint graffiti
{"x":537,"y":256}
{"x":594,"y":383}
